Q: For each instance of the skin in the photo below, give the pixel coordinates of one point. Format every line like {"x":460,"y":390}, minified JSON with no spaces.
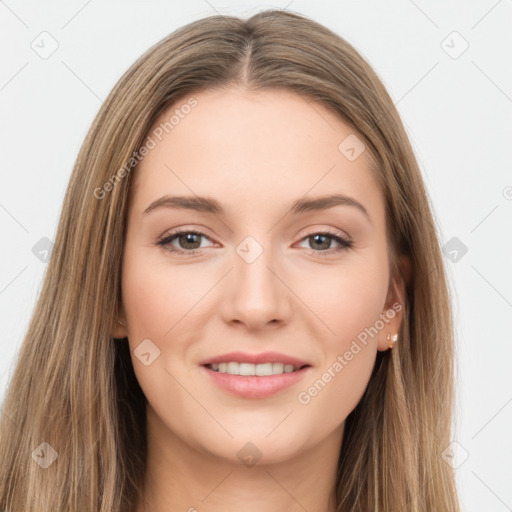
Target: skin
{"x":255,"y":153}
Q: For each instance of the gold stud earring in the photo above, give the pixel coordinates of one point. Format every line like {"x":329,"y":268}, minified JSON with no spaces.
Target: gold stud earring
{"x":391,"y":339}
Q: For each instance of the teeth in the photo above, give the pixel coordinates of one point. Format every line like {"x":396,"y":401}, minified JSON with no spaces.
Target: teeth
{"x":234,"y":368}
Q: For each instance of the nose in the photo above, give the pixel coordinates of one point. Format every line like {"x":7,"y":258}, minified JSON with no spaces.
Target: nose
{"x":256,"y":294}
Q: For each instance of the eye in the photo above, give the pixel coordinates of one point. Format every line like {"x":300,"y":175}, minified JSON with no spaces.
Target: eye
{"x":323,"y":240}
{"x":189,"y":241}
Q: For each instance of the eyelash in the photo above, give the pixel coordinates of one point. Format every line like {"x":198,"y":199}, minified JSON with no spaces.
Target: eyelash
{"x":165,"y":242}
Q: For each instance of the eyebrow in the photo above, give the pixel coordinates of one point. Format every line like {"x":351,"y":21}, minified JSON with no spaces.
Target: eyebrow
{"x":210,"y":205}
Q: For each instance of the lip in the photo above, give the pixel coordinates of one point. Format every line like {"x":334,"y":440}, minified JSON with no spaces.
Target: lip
{"x":253,"y":386}
{"x":262,"y":357}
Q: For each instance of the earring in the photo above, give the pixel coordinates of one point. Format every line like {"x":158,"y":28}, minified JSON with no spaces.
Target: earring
{"x":119,"y":321}
{"x":391,"y":339}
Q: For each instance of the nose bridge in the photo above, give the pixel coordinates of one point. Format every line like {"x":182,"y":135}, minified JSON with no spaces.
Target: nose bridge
{"x":254,"y":257}
{"x":257,"y":295}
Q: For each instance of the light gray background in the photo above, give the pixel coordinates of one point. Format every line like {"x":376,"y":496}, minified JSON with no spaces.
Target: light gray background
{"x":457,"y":112}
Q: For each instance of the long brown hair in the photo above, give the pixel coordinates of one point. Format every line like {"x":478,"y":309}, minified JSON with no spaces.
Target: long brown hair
{"x":73,"y":385}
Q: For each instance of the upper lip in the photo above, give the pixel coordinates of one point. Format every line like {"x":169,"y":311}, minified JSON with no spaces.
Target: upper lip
{"x":262,"y":357}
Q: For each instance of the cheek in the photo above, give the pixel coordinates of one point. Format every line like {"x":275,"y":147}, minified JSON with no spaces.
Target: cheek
{"x":349,"y":307}
{"x":334,"y":392}
{"x":155,"y":295}
{"x":347,"y":299}
{"x":156,"y":300}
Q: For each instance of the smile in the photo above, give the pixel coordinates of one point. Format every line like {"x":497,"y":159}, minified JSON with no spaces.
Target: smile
{"x":247,"y":369}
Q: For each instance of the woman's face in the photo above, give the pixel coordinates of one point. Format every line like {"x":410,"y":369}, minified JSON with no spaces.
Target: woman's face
{"x":254,"y":273}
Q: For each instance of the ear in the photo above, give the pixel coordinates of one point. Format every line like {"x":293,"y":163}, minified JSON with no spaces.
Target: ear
{"x":395,"y":304}
{"x":119,"y":327}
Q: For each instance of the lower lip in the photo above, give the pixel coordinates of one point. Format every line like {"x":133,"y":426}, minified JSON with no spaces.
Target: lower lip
{"x":252,"y":386}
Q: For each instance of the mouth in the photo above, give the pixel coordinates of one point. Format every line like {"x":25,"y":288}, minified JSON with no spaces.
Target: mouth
{"x":252,"y":381}
{"x":259,"y":370}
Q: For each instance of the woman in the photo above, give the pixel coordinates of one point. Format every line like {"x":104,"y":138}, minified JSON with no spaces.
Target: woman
{"x":298,"y":354}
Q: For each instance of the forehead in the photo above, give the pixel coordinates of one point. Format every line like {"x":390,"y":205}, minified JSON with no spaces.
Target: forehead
{"x":253,"y":150}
